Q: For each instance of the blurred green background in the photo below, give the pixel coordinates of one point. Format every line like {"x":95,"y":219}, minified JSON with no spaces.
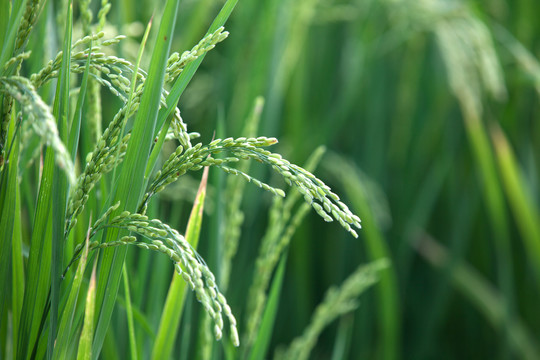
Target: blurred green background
{"x":429,"y":113}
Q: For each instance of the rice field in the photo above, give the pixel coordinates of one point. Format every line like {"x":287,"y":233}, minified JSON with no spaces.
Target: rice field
{"x":241,"y":179}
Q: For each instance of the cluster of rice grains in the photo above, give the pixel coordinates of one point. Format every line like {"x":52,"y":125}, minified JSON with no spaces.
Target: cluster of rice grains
{"x":160,"y":237}
{"x":114,"y":73}
{"x":109,"y":149}
{"x":27,"y":23}
{"x":39,"y":119}
{"x":157,"y":236}
{"x":315,"y":192}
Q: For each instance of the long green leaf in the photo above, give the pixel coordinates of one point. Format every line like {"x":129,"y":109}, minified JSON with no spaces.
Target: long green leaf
{"x":17,"y":263}
{"x":75,"y":127}
{"x":39,"y":265}
{"x":526,"y":213}
{"x":129,"y":314}
{"x":65,"y":328}
{"x":132,"y":173}
{"x":129,"y":307}
{"x":38,"y":284}
{"x":85,"y":340}
{"x":343,"y":338}
{"x":12,"y":27}
{"x":187,"y":74}
{"x":5,"y":8}
{"x":266,"y":329}
{"x":60,"y":187}
{"x":8,"y":205}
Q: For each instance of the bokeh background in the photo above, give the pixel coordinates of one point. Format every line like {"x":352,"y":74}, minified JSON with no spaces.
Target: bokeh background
{"x":428,"y":110}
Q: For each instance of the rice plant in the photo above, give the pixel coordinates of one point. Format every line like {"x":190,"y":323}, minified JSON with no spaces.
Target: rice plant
{"x":132,"y":134}
{"x":80,"y":188}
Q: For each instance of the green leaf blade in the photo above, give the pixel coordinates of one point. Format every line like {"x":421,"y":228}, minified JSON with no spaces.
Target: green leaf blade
{"x":133,"y":169}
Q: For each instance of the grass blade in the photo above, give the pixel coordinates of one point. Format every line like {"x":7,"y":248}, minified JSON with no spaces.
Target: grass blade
{"x":266,"y":328}
{"x":8,"y":206}
{"x":157,"y":147}
{"x":60,"y":187}
{"x":37,"y":286}
{"x":65,"y":328}
{"x":343,"y":338}
{"x":17,"y":264}
{"x":525,"y":212}
{"x":87,"y":334}
{"x":133,"y":169}
{"x":129,"y":315}
{"x":128,"y":302}
{"x":75,"y":127}
{"x":12,"y":27}
{"x":186,"y":75}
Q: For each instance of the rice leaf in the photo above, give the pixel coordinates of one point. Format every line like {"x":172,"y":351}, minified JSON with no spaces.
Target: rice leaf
{"x":10,"y":260}
{"x":61,"y":186}
{"x":526,"y":213}
{"x":66,"y":333}
{"x":75,"y":127}
{"x":188,"y":72}
{"x":37,"y":288}
{"x":133,"y":169}
{"x":343,"y":338}
{"x":266,"y":329}
{"x":129,"y":315}
{"x":85,"y":340}
{"x":129,"y":309}
{"x":12,"y":26}
{"x":17,"y":263}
